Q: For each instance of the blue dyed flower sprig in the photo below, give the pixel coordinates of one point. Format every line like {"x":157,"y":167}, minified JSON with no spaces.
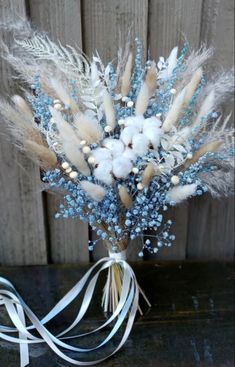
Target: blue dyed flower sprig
{"x":125,"y":141}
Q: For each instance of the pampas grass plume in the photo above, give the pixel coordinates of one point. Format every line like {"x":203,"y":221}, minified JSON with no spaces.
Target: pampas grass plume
{"x":96,"y":192}
{"x":125,"y":197}
{"x":63,"y":95}
{"x":206,"y":107}
{"x":181,"y":193}
{"x":146,"y":91}
{"x":22,"y":105}
{"x":192,"y":86}
{"x":109,"y":110}
{"x":88,"y":129}
{"x":148,"y":174}
{"x":76,"y":157}
{"x":212,"y":146}
{"x":42,"y":155}
{"x":66,"y":131}
{"x":174,"y":112}
{"x":125,"y":82}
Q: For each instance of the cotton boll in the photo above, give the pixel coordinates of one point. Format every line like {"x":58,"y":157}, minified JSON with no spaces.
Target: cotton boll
{"x":103,"y":172}
{"x":121,"y":167}
{"x":116,"y":146}
{"x":136,"y":121}
{"x":153,"y":134}
{"x":129,"y":154}
{"x":140,"y":144}
{"x":127,"y":134}
{"x":101,"y":154}
{"x":151,"y":122}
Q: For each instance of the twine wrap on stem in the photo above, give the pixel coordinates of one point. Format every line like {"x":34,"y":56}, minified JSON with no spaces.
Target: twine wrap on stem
{"x":18,"y":310}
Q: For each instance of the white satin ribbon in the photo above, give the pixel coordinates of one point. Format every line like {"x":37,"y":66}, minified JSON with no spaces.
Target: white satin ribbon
{"x":17,"y":310}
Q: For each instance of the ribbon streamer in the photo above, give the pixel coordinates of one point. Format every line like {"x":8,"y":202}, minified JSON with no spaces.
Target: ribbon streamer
{"x":17,"y":310}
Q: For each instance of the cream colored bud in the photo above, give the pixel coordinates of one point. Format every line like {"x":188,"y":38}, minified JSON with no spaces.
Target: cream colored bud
{"x":73,"y":174}
{"x":140,"y":186}
{"x":107,"y":129}
{"x":65,"y":165}
{"x":86,"y":149}
{"x":175,"y":180}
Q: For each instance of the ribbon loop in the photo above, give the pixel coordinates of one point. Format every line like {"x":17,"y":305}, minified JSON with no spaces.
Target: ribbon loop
{"x":18,"y":310}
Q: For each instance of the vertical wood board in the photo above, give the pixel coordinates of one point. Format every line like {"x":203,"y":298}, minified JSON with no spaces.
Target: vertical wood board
{"x":62,"y":20}
{"x":22,"y":239}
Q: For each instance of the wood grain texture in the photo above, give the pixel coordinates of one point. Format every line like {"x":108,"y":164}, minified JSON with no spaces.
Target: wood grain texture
{"x":105,"y":25}
{"x":22,"y":239}
{"x":62,"y":20}
{"x":170,"y":22}
{"x":211,"y":222}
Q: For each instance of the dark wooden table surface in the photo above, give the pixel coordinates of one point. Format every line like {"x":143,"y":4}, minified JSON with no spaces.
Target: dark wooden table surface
{"x":191,"y":322}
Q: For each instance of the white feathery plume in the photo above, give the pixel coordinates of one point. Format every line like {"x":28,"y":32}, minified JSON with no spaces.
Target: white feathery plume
{"x":126,"y":77}
{"x":181,"y":193}
{"x":109,"y":110}
{"x":206,"y":107}
{"x":192,"y":86}
{"x":94,"y":73}
{"x":63,"y":95}
{"x":136,"y":121}
{"x":172,"y":61}
{"x":76,"y":157}
{"x":22,"y":105}
{"x":66,"y":131}
{"x":96,"y":192}
{"x":174,"y":112}
{"x":88,"y":128}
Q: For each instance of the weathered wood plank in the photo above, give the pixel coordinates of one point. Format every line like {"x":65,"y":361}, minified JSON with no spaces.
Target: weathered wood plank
{"x":170,"y":22}
{"x":62,"y":20}
{"x":103,"y":22}
{"x":21,"y":222}
{"x":211,"y":224}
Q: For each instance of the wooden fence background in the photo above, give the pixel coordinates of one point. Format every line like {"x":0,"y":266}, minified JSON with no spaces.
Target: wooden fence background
{"x":29,"y":234}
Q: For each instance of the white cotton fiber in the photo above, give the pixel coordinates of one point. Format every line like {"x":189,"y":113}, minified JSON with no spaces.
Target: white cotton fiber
{"x":121,"y":167}
{"x":136,"y":121}
{"x":153,"y":134}
{"x":127,"y":134}
{"x":129,"y":154}
{"x":103,"y":172}
{"x":116,"y":146}
{"x":101,"y":154}
{"x":151,"y":122}
{"x":140,"y":144}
